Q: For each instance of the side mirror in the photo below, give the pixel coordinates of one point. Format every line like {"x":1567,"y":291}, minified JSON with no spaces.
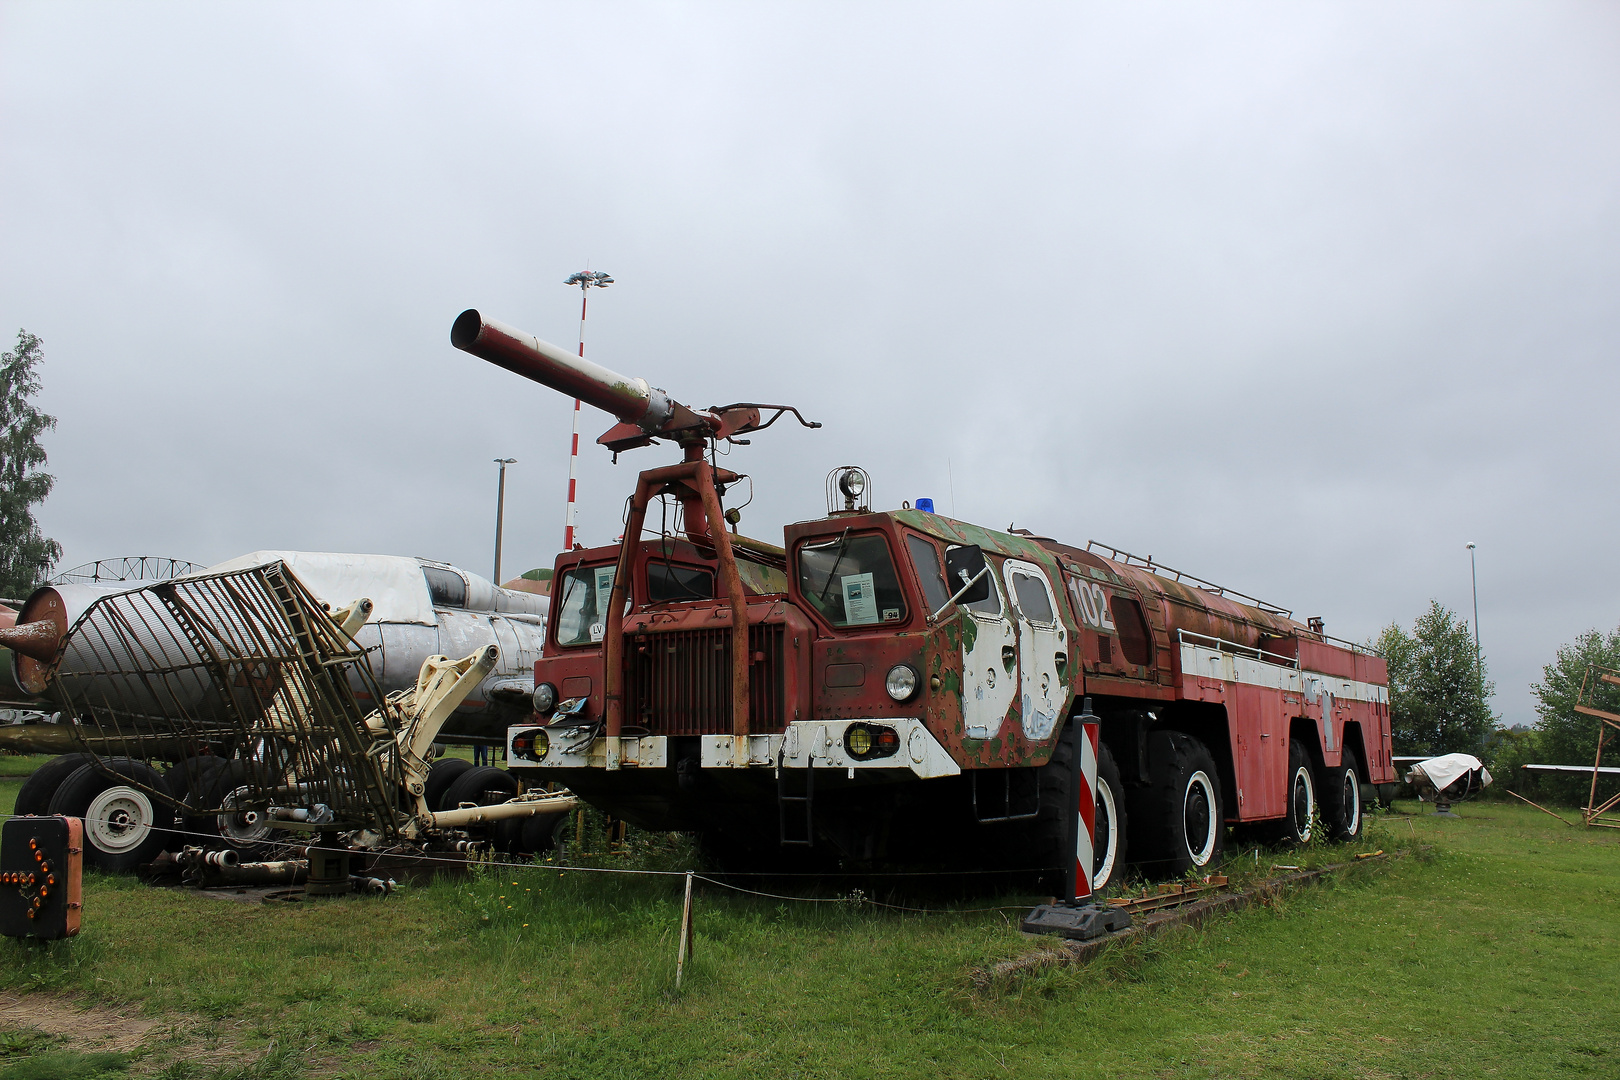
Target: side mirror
{"x":964,"y":565}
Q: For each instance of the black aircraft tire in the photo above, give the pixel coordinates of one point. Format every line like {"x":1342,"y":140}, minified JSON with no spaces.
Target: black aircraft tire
{"x":124,"y":826}
{"x":255,"y":840}
{"x":472,"y":784}
{"x":193,"y":776}
{"x":1183,"y":798}
{"x":34,"y":797}
{"x":441,"y":774}
{"x":540,"y":832}
{"x":1342,"y":812}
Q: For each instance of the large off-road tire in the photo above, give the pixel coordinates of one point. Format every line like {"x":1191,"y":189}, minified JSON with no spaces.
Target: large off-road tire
{"x":1178,"y":820}
{"x":124,"y":826}
{"x":37,"y":791}
{"x":1303,"y":817}
{"x":1341,"y":798}
{"x":1057,"y":811}
{"x":441,"y":774}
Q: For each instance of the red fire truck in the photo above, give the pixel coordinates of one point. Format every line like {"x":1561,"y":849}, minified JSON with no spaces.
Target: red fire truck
{"x":894,"y":686}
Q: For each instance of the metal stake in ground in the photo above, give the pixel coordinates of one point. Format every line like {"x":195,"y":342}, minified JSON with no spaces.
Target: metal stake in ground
{"x":585,"y":279}
{"x":684,"y":949}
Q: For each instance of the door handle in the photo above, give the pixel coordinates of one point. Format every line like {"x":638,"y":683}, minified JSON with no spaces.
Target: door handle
{"x":1009,"y":656}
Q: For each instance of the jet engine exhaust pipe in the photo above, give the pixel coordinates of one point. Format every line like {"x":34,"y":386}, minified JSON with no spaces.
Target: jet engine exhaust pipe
{"x":632,"y":401}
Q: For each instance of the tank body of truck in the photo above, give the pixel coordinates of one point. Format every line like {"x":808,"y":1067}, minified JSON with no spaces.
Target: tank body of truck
{"x":889,"y":707}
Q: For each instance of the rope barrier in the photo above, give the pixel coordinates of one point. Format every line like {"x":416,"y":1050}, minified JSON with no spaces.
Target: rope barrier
{"x":564,"y":868}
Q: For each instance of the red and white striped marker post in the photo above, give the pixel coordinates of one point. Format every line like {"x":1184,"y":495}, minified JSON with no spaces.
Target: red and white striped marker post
{"x":1078,"y":915}
{"x":1086,"y":732}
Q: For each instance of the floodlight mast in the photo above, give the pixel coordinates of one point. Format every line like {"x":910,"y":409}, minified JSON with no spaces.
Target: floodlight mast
{"x":586,"y":280}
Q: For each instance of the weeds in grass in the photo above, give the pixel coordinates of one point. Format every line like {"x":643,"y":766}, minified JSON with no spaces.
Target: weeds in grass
{"x":65,"y":1065}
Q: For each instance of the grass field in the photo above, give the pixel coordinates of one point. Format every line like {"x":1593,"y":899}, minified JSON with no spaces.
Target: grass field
{"x":1491,"y":951}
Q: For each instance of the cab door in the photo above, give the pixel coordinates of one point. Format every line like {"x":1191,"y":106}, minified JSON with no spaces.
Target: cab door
{"x":989,"y":665}
{"x":1042,"y":649}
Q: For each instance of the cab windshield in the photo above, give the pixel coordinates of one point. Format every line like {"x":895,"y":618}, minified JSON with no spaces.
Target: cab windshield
{"x":851,"y":580}
{"x":580,"y":611}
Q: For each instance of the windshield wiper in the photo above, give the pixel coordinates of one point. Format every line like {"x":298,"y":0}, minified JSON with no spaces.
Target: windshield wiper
{"x":842,"y":541}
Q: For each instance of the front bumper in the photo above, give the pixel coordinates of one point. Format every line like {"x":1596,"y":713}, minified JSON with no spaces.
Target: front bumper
{"x":806,"y":744}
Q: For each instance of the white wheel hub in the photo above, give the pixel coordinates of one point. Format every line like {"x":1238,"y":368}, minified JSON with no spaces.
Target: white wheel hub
{"x":119,"y":819}
{"x":1352,"y":802}
{"x":1302,"y":803}
{"x":1200,"y":817}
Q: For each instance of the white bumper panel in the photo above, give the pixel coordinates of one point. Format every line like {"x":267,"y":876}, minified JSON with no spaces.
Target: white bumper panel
{"x":807,"y":744}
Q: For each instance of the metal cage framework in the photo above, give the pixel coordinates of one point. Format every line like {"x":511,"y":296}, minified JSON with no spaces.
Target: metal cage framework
{"x":1597,"y":678}
{"x":247,"y":666}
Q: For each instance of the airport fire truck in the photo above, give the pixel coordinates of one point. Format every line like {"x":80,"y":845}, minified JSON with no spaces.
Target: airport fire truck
{"x":897,"y":687}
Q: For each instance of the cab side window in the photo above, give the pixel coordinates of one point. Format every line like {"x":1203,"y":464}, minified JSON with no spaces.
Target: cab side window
{"x":925,"y":557}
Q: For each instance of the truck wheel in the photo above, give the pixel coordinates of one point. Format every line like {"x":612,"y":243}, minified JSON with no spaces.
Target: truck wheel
{"x":1109,"y":844}
{"x":1180,"y":816}
{"x":35,"y":795}
{"x":1299,"y":826}
{"x":441,"y":774}
{"x":123,"y":825}
{"x":1052,"y":833}
{"x":1341,"y":798}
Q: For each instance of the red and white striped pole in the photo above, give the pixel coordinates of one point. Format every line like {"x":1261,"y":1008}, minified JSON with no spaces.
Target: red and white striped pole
{"x":1087,"y":732}
{"x":584,"y":279}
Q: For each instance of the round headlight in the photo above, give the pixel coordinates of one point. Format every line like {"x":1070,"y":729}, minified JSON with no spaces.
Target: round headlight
{"x":901,"y":682}
{"x":852,"y":483}
{"x":545,"y":698}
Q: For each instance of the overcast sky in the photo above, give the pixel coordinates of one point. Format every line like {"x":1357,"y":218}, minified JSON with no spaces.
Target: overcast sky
{"x":1299,"y":298}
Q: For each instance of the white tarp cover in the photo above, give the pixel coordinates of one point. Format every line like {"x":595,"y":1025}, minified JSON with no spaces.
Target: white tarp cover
{"x":1444,"y":770}
{"x":394,"y":583}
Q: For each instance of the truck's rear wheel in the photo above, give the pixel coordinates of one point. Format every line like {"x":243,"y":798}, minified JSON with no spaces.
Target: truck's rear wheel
{"x":1299,"y":826}
{"x":1180,"y":816}
{"x":1341,"y":798}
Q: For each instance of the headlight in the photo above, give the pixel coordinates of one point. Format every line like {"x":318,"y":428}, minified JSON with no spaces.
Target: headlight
{"x":852,"y":483}
{"x":901,"y":682}
{"x":863,"y":741}
{"x":545,"y":698}
{"x":532,"y":744}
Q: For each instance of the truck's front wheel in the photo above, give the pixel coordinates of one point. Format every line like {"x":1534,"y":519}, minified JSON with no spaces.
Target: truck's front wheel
{"x":1180,"y":816}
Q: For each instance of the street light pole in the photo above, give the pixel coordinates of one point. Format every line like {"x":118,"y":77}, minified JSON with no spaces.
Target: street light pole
{"x":500,"y":511}
{"x":1473,"y":574}
{"x":585,"y":279}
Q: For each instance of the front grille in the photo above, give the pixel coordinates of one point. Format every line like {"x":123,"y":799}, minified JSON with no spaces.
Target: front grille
{"x":680,"y":682}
